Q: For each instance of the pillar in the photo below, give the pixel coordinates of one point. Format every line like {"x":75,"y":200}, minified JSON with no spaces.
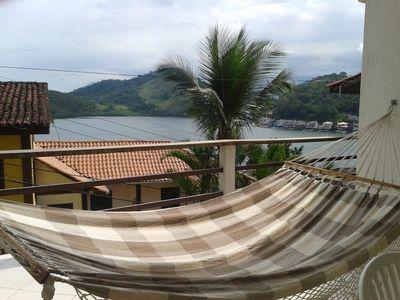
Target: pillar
{"x":227,"y":161}
{"x":380,"y":82}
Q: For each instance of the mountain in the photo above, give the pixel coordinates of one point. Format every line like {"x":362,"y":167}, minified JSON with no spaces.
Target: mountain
{"x":312,"y":100}
{"x":150,"y":95}
{"x":144,"y":95}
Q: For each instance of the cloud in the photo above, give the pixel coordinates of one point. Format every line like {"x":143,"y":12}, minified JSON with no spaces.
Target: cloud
{"x":134,"y":36}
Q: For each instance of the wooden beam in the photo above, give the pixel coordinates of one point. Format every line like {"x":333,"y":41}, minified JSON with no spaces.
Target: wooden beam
{"x":341,"y":175}
{"x":80,"y":186}
{"x":158,"y":204}
{"x":260,"y":166}
{"x":163,"y":146}
{"x":27,"y":167}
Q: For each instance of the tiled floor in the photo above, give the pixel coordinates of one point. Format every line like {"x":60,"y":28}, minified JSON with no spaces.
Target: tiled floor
{"x":17,"y":284}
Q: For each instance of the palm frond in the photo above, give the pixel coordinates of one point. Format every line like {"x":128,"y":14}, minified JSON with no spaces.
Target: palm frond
{"x":279,"y":86}
{"x":185,"y":156}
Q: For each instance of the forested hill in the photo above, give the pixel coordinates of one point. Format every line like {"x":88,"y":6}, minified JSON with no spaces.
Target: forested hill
{"x":144,"y":95}
{"x":311,"y":100}
{"x":150,"y":95}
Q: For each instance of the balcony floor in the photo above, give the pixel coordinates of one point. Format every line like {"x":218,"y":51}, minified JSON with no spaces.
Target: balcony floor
{"x":17,"y":284}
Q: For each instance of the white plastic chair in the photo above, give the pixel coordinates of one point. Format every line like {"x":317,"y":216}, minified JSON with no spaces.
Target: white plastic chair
{"x":380,"y":280}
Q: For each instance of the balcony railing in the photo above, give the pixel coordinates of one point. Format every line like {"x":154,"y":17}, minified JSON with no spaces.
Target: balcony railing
{"x":226,"y":170}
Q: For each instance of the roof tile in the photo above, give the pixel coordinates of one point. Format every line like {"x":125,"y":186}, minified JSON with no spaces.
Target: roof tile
{"x":24,"y":104}
{"x":115,"y":165}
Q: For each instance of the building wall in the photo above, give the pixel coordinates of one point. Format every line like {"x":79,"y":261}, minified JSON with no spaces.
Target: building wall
{"x":52,"y":177}
{"x":46,"y":175}
{"x":380,"y":82}
{"x":12,"y":167}
{"x":150,"y":192}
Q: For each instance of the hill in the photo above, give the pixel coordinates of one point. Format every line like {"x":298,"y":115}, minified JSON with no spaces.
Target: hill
{"x":311,"y":100}
{"x":150,"y":95}
{"x":144,"y":95}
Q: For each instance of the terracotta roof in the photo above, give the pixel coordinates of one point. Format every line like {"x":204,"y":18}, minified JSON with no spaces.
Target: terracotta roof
{"x":348,"y":85}
{"x":24,"y":106}
{"x":112,"y":165}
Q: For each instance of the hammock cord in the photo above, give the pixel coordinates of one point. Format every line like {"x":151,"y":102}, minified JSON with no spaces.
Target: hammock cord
{"x":372,"y":152}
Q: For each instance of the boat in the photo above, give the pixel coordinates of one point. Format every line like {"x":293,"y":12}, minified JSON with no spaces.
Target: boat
{"x":342,"y":127}
{"x":326,"y":126}
{"x":288,"y":124}
{"x":267,"y":123}
{"x":299,"y":125}
{"x":279,"y":123}
{"x":312,"y":125}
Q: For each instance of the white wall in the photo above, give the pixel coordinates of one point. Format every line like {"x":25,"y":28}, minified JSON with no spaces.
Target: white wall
{"x":380,"y":78}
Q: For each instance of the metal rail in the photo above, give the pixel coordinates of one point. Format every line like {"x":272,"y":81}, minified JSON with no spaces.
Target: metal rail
{"x":167,"y":203}
{"x":80,"y":186}
{"x":162,"y":146}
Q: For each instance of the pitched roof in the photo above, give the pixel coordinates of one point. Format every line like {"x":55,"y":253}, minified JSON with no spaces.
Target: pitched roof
{"x":24,"y":106}
{"x":111,"y":165}
{"x":348,"y":85}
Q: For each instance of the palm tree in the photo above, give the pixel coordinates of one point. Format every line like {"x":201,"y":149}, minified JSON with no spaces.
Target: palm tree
{"x":235,"y":80}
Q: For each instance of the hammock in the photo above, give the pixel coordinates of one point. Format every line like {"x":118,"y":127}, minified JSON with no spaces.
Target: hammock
{"x":304,"y":232}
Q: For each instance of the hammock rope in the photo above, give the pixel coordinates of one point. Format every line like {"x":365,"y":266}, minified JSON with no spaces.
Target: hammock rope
{"x":367,"y":151}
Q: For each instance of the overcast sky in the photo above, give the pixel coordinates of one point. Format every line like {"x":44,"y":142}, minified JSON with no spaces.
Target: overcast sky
{"x":133,"y":36}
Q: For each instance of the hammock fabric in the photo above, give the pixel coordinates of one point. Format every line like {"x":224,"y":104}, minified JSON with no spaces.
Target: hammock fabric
{"x":280,"y":236}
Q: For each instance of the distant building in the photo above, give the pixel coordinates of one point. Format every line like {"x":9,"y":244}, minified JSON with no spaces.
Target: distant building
{"x":24,"y":111}
{"x":80,"y":168}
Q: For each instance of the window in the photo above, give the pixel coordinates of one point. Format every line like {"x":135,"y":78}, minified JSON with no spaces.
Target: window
{"x":98,"y":202}
{"x":62,"y":205}
{"x":170,"y":193}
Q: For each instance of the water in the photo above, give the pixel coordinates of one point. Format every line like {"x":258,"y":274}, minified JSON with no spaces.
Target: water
{"x":154,"y":129}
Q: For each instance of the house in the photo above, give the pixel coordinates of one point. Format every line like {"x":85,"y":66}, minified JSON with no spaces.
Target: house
{"x":80,"y":168}
{"x":24,"y":111}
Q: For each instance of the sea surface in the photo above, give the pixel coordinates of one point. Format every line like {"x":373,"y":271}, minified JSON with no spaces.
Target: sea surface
{"x":155,"y":129}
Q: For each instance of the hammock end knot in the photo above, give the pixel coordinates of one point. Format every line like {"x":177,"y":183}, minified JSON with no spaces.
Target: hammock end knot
{"x":48,"y":290}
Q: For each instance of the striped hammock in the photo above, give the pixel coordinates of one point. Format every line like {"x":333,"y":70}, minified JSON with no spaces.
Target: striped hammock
{"x":304,"y":232}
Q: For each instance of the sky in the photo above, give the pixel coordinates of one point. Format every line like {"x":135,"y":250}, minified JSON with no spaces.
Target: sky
{"x":134,"y":36}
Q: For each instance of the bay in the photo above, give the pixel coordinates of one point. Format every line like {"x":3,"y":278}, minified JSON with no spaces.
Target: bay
{"x":156,"y":129}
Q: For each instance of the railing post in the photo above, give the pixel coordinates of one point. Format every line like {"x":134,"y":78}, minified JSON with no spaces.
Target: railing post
{"x":227,"y":156}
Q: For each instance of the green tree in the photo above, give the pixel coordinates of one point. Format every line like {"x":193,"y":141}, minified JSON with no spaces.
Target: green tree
{"x":257,"y":154}
{"x":235,"y":79}
{"x":196,"y":159}
{"x":312,"y":100}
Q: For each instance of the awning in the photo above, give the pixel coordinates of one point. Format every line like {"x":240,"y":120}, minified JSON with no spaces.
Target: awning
{"x":348,"y":85}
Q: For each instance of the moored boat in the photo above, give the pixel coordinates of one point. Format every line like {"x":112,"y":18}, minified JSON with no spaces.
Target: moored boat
{"x":312,"y":125}
{"x":326,"y":126}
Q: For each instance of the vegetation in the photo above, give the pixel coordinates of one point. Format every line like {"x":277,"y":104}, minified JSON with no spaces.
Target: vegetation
{"x":145,"y":95}
{"x":235,"y":81}
{"x":257,"y":154}
{"x":311,"y":100}
{"x":150,"y":95}
{"x":196,"y":159}
{"x":205,"y":158}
